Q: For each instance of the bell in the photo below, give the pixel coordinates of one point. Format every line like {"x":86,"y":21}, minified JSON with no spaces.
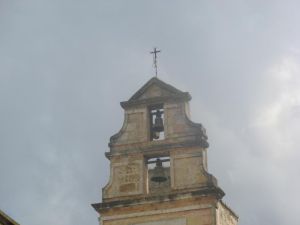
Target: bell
{"x":158,"y":172}
{"x":158,"y":125}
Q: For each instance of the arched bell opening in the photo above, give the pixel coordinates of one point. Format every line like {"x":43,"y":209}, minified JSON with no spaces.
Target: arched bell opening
{"x":158,"y":174}
{"x":156,"y":119}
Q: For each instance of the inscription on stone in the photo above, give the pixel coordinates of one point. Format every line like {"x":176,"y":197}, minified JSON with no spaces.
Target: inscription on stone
{"x":129,"y":178}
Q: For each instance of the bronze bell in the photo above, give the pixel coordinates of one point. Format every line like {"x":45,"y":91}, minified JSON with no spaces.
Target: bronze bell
{"x":158,"y":172}
{"x":158,"y":125}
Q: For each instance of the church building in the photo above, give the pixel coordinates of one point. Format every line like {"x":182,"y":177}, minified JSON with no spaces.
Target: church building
{"x":6,"y":220}
{"x":158,"y":165}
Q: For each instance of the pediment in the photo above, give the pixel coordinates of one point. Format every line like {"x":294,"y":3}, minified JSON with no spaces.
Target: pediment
{"x":155,"y":88}
{"x":156,"y":91}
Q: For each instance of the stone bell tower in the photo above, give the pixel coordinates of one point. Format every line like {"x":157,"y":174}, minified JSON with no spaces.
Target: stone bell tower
{"x":158,"y":165}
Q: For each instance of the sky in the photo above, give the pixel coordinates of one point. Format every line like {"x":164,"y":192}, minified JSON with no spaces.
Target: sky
{"x":66,"y":64}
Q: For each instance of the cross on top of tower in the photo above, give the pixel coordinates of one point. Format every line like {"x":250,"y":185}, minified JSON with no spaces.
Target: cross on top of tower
{"x":155,"y":51}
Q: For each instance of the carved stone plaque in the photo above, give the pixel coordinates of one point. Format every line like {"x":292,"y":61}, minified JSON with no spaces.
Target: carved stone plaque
{"x":179,"y":221}
{"x":128,"y":178}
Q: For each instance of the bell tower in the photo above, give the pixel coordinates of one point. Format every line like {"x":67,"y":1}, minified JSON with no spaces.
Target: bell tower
{"x":158,"y":165}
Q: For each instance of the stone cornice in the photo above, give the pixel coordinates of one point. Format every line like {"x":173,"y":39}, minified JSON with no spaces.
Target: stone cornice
{"x":149,"y":147}
{"x":211,"y":190}
{"x":184,"y":96}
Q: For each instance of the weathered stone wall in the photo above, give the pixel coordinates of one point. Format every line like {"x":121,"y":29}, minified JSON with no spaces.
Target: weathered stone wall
{"x":189,"y":215}
{"x":136,"y":128}
{"x":225,"y":216}
{"x":129,"y":174}
{"x":176,"y":120}
{"x":132,"y":145}
{"x":190,"y":196}
{"x":153,"y":92}
{"x":187,"y":168}
{"x":126,"y":177}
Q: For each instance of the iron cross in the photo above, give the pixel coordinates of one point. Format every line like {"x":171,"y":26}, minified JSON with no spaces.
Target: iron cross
{"x":155,"y":51}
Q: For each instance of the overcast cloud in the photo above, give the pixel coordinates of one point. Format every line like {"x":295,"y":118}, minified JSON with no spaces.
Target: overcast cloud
{"x":66,"y":64}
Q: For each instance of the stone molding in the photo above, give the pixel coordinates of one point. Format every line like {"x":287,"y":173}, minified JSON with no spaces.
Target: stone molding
{"x":215,"y":191}
{"x":155,"y":212}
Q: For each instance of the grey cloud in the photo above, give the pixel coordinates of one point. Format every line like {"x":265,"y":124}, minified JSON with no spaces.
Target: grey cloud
{"x":66,"y":65}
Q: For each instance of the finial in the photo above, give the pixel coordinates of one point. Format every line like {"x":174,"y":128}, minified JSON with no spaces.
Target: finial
{"x":155,"y":51}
